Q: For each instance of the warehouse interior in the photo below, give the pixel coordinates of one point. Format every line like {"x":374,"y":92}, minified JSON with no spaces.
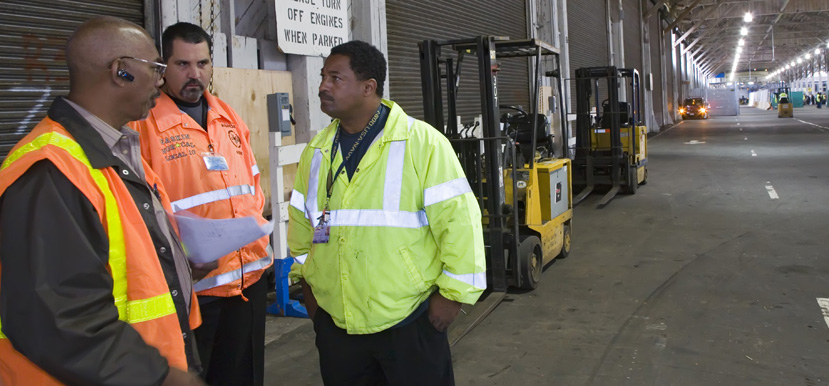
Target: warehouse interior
{"x":694,"y":256}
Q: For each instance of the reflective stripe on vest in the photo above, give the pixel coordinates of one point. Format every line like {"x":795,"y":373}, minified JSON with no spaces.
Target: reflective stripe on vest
{"x":254,"y":170}
{"x":212,"y":196}
{"x":130,"y":311}
{"x":230,"y":277}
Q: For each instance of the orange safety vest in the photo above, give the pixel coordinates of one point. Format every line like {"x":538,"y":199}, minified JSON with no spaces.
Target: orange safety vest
{"x":174,"y":145}
{"x":140,"y":290}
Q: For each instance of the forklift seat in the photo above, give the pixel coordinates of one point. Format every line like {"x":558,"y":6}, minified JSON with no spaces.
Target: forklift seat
{"x":625,"y":115}
{"x":523,"y":134}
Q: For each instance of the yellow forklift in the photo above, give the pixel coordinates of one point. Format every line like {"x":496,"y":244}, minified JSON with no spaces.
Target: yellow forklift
{"x":784,"y":103}
{"x":611,"y":140}
{"x":510,"y":162}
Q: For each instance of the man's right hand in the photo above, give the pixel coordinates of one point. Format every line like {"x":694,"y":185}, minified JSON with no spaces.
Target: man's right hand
{"x":178,"y":377}
{"x":310,"y":300}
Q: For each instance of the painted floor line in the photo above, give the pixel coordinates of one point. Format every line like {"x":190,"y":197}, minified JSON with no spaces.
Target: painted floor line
{"x":771,"y":191}
{"x":824,"y":307}
{"x":753,"y":154}
{"x":666,"y":130}
{"x":821,"y":128}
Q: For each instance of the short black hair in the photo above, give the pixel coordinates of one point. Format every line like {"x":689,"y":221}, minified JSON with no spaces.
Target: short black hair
{"x":187,"y":32}
{"x":366,"y":61}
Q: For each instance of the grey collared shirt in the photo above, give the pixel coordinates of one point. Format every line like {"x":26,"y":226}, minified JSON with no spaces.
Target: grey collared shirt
{"x":125,"y":145}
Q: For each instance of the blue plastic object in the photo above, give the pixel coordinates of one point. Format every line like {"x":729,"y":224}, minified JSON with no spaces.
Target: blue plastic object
{"x":283,"y":305}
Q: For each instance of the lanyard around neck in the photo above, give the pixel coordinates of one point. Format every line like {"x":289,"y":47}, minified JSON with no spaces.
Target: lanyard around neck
{"x":329,"y":187}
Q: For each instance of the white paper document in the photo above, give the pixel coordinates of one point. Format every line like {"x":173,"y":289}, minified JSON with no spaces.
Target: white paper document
{"x":206,"y":240}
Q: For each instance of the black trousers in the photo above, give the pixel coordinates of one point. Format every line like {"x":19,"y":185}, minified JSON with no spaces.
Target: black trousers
{"x":231,"y":339}
{"x":415,"y":354}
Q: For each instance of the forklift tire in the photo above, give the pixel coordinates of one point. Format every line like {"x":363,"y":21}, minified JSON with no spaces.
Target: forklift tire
{"x":632,"y":181}
{"x":645,"y":180}
{"x":565,"y":243}
{"x":530,"y":262}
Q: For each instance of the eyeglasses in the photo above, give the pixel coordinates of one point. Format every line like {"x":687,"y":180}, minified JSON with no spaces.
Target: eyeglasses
{"x":159,"y":68}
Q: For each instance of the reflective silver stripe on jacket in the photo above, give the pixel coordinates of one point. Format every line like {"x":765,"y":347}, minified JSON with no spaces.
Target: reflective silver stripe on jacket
{"x":389,"y":216}
{"x":254,"y":170}
{"x":230,"y":277}
{"x":445,"y":191}
{"x":313,"y":185}
{"x":298,"y":201}
{"x":301,"y":258}
{"x":394,"y":176}
{"x":212,"y":196}
{"x":477,"y":280}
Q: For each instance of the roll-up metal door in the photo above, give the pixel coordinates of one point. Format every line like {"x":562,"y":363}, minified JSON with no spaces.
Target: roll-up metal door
{"x":409,"y":22}
{"x":32,"y":64}
{"x":587,"y":25}
{"x":656,"y":66}
{"x":632,"y":34}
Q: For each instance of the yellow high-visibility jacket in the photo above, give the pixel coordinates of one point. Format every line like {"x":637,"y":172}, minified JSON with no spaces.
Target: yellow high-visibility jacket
{"x":407,"y":222}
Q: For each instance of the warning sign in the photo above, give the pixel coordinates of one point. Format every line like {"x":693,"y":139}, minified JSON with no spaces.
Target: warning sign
{"x":310,"y":27}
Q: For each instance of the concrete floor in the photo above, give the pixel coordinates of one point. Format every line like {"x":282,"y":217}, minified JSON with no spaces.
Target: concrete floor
{"x":709,"y":275}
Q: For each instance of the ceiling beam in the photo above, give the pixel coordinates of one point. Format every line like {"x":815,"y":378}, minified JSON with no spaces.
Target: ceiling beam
{"x":715,"y":66}
{"x":709,"y":59}
{"x":707,"y":68}
{"x":681,"y":16}
{"x":688,"y":47}
{"x":703,"y":20}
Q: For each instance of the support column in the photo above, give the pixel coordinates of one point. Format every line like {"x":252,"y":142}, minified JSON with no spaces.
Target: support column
{"x":647,"y":72}
{"x":368,"y":22}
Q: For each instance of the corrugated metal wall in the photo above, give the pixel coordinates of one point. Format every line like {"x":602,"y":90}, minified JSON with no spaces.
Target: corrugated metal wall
{"x":587,"y":24}
{"x":32,"y":65}
{"x":409,"y":22}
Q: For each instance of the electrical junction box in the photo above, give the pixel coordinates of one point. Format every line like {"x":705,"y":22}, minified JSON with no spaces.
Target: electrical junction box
{"x":279,"y":114}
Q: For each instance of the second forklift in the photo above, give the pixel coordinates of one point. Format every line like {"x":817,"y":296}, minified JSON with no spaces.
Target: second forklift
{"x":611,"y":140}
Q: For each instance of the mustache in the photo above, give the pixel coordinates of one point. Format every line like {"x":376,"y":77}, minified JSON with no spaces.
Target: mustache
{"x":194,"y":82}
{"x":323,"y":95}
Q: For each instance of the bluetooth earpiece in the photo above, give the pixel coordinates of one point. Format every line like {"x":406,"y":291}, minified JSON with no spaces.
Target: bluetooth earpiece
{"x":126,"y":75}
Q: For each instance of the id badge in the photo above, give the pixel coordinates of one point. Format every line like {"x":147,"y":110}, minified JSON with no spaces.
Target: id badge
{"x":322,"y":231}
{"x":214,"y":162}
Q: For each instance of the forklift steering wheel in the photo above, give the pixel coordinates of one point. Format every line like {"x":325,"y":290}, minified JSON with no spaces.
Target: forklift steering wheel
{"x":519,"y":109}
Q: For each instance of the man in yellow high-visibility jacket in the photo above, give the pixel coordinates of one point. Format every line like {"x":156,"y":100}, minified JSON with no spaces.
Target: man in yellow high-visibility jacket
{"x":385,"y":230}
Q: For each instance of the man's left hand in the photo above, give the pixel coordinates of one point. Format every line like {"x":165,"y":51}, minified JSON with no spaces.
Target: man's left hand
{"x":442,"y":311}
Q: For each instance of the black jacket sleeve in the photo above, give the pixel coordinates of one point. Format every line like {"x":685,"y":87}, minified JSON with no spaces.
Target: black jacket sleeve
{"x":56,"y":302}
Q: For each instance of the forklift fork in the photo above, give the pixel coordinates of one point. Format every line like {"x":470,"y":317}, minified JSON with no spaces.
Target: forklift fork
{"x":588,"y":179}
